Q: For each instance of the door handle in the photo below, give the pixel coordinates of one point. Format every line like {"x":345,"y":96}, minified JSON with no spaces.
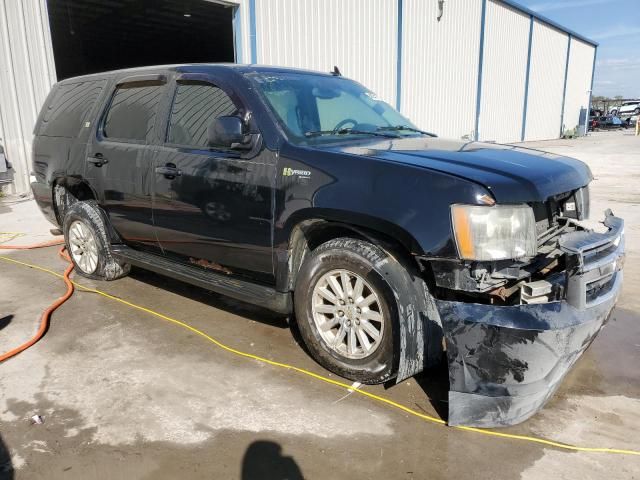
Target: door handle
{"x":169,"y":171}
{"x":98,"y":160}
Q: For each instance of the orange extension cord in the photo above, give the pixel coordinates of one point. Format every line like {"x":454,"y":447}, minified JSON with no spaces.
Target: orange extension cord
{"x":46,"y":315}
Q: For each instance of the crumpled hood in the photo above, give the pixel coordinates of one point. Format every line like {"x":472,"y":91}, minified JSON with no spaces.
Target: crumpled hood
{"x":513,"y":174}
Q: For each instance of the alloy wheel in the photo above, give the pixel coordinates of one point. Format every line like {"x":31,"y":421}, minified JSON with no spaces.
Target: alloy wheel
{"x":347,"y":314}
{"x":82,"y":244}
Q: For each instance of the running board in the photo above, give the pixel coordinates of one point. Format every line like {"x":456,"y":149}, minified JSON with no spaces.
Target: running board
{"x":242,"y":290}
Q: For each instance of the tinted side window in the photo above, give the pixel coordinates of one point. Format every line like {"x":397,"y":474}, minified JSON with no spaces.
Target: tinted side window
{"x":69,"y":108}
{"x":194,"y":108}
{"x":132,"y":112}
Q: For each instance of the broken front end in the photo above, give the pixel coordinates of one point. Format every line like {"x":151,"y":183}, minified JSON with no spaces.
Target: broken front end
{"x":513,"y":329}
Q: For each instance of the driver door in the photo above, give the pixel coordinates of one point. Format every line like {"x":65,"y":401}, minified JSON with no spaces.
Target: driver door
{"x":211,"y":206}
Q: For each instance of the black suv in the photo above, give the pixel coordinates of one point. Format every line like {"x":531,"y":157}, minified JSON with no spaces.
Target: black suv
{"x":303,"y":192}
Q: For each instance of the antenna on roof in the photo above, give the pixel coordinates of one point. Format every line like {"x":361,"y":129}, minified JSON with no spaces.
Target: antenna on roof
{"x":336,"y":71}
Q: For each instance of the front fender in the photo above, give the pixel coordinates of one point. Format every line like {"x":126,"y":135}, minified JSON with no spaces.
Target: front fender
{"x":407,"y":202}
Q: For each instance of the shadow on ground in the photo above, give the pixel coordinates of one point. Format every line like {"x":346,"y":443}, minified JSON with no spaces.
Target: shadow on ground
{"x":263,"y":459}
{"x":435,"y":384}
{"x":434,"y":381}
{"x":209,"y":298}
{"x":6,"y":467}
{"x":221,"y":302}
{"x":6,"y":320}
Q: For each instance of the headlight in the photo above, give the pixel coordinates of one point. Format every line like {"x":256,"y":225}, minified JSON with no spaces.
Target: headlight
{"x":499,"y":232}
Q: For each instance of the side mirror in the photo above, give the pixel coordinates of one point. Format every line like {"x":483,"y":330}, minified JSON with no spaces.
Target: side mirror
{"x":227,"y":132}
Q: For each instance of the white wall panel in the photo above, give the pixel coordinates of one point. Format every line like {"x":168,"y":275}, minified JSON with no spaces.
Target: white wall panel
{"x":243,"y":50}
{"x":578,"y":81}
{"x":546,"y":82}
{"x":440,"y":65}
{"x":359,"y":36}
{"x":26,"y":75}
{"x":504,"y":73}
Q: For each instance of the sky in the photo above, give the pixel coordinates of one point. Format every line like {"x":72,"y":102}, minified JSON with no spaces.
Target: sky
{"x":615,"y":25}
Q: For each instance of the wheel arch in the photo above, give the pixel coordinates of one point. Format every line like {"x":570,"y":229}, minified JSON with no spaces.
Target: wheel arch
{"x":420,"y":328}
{"x":66,"y":191}
{"x":308,"y":233}
{"x":69,"y":190}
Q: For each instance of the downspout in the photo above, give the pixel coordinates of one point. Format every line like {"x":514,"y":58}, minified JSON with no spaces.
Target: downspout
{"x":564,"y":89}
{"x":399,"y":59}
{"x":526,"y":82}
{"x":480,"y":63}
{"x":252,"y":31}
{"x":593,"y":72}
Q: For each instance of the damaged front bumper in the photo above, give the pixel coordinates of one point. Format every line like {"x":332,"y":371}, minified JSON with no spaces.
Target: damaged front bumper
{"x":505,"y":362}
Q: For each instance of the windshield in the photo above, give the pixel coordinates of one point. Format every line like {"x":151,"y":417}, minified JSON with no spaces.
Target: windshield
{"x":321,"y":108}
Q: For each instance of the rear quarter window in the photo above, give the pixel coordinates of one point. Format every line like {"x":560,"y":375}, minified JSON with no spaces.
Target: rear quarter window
{"x":69,"y":108}
{"x":132,"y":111}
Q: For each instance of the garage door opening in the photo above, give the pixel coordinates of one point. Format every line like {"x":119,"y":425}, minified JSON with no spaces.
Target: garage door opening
{"x":93,"y":36}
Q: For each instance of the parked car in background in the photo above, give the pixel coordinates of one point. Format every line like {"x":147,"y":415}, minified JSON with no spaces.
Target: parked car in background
{"x":627,"y":108}
{"x":609,"y":122}
{"x":305,"y":193}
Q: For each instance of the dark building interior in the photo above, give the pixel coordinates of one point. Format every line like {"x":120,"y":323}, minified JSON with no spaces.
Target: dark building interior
{"x":97,"y":35}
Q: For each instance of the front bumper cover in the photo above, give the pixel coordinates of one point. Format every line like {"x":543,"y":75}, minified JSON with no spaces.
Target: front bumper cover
{"x":505,"y":362}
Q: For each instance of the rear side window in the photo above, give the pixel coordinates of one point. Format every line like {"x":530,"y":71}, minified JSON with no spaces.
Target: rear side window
{"x":69,"y":108}
{"x":132,"y":111}
{"x":195,"y":106}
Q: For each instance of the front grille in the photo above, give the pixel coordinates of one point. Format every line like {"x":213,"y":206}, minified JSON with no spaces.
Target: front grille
{"x":597,"y":288}
{"x":595,"y":261}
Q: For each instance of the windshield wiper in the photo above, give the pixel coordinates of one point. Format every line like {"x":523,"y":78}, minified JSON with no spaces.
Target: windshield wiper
{"x":396,"y":128}
{"x":347,"y":131}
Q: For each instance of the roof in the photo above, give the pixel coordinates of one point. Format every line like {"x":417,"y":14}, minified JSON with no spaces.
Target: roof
{"x":548,"y":21}
{"x":238,"y":67}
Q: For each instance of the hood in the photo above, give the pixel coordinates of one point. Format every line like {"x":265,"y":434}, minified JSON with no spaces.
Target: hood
{"x":513,"y":174}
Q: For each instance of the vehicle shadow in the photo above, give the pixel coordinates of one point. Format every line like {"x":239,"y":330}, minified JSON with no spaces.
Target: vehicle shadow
{"x":6,"y":320}
{"x":435,"y":384}
{"x":215,"y":300}
{"x":6,"y":466}
{"x":264,"y":460}
{"x":212,"y":299}
{"x":434,"y":381}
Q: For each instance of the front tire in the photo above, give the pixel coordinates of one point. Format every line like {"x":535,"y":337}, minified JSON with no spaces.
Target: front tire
{"x":346,"y":310}
{"x":88,"y":244}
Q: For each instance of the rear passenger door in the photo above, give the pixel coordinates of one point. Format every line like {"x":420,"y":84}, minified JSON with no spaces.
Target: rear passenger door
{"x":119,"y":161}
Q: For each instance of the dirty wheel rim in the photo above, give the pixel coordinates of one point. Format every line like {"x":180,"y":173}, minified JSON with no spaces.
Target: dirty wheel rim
{"x":82,"y":244}
{"x":347,"y":314}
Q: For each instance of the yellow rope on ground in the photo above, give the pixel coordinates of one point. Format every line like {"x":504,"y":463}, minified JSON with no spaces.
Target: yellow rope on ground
{"x":10,"y":235}
{"x":337,"y":383}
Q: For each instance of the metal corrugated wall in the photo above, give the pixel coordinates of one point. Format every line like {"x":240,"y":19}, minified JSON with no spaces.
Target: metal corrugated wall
{"x":359,"y":36}
{"x":26,"y":75}
{"x":440,"y":65}
{"x":242,"y":31}
{"x":503,"y":83}
{"x":546,"y":82}
{"x":581,"y":56}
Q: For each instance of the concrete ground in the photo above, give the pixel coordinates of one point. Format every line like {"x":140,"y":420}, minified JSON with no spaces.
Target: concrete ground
{"x":127,"y":395}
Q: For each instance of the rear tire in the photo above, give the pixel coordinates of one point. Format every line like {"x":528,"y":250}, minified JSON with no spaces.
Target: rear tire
{"x":88,"y":245}
{"x":343,"y":305}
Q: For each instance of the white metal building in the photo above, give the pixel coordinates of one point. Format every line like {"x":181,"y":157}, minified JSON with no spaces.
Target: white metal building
{"x":480,"y":69}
